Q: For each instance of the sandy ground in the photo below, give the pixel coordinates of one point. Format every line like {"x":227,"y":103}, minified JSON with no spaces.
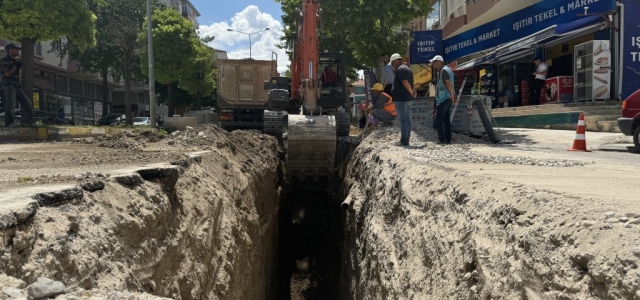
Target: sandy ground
{"x":184,"y":229}
{"x":479,"y":221}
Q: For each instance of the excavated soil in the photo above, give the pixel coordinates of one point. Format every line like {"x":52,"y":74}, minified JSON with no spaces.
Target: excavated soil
{"x":418,"y":230}
{"x":196,"y":227}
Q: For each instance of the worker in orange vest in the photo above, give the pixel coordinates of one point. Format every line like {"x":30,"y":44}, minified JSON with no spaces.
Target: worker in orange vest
{"x":384,"y":109}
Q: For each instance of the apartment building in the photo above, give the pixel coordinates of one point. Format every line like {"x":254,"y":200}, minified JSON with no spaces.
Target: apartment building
{"x":58,"y":83}
{"x":187,"y":9}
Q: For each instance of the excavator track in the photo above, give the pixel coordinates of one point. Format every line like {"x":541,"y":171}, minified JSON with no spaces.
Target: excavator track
{"x":311,"y":146}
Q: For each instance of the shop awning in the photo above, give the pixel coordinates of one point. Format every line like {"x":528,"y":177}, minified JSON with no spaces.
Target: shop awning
{"x":553,"y":34}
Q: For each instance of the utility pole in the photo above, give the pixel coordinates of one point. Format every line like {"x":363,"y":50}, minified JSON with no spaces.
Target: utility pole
{"x":152,"y":79}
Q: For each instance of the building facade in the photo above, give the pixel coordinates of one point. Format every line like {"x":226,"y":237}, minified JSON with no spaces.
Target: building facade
{"x":502,"y":38}
{"x":58,"y":83}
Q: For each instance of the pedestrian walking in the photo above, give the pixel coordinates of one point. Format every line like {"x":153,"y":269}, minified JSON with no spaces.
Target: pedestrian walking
{"x":384,"y":109}
{"x":61,"y":113}
{"x":403,"y":92}
{"x":445,"y":98}
{"x":541,"y":77}
{"x":388,"y":74}
{"x":12,"y":89}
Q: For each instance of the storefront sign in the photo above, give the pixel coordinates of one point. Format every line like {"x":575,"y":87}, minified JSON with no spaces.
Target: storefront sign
{"x":524,"y":22}
{"x":43,"y":82}
{"x":425,"y":45}
{"x":631,"y":55}
{"x":369,"y":81}
{"x":36,"y":100}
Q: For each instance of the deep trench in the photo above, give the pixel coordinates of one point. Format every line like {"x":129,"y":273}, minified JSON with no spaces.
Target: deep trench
{"x":309,"y":250}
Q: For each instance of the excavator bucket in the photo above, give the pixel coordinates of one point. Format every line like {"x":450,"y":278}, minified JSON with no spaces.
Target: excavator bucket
{"x":311,"y":146}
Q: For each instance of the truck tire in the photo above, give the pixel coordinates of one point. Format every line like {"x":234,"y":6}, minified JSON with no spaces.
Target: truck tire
{"x":636,"y":137}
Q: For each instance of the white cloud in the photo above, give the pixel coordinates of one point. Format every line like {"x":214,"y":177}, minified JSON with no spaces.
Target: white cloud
{"x":251,"y":19}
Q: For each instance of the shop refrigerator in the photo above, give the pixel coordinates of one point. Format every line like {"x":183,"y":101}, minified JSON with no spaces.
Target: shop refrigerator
{"x":592,"y":71}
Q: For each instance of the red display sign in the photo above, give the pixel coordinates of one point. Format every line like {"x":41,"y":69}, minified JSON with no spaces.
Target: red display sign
{"x":558,"y":89}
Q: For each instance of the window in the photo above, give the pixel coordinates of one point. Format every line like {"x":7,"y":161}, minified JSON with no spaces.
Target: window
{"x":184,"y":9}
{"x":76,"y":87}
{"x":57,"y":46}
{"x":434,"y":17}
{"x":358,"y":90}
{"x":61,"y":84}
{"x":38,"y":49}
{"x":89,"y":90}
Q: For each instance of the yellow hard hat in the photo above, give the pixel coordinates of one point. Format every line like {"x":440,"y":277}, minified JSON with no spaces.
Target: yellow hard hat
{"x":377,"y":87}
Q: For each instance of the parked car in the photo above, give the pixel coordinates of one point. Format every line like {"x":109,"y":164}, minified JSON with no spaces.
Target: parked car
{"x":629,"y":123}
{"x":45,"y":117}
{"x":141,"y":121}
{"x":112,"y":120}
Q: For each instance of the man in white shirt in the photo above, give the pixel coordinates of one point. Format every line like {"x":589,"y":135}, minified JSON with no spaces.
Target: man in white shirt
{"x":541,"y":76}
{"x":388,"y":74}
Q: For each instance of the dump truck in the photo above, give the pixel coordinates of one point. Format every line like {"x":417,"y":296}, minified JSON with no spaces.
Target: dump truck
{"x":242,"y":99}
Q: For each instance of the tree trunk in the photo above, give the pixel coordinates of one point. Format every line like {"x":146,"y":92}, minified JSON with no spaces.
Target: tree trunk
{"x":170,"y":105}
{"x":127,"y":92}
{"x":105,"y":91}
{"x":26,"y":55}
{"x":199,"y":101}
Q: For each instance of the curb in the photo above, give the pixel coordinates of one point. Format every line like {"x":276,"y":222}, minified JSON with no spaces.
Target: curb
{"x":55,"y":133}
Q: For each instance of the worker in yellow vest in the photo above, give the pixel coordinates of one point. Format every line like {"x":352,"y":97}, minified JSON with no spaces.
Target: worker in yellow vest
{"x":384,"y":110}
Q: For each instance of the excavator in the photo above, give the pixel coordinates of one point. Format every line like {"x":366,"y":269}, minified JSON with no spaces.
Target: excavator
{"x":315,"y":99}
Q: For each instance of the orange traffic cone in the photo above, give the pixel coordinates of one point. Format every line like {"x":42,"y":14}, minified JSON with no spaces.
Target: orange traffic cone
{"x":580,"y":142}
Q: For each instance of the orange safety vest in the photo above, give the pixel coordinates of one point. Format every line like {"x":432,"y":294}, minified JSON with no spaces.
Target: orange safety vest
{"x":389,"y":106}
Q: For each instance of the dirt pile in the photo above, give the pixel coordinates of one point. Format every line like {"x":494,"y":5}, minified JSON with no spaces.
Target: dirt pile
{"x":417,"y":230}
{"x":204,"y":227}
{"x":45,"y":288}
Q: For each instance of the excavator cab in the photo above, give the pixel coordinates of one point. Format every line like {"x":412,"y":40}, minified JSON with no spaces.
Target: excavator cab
{"x":332,"y":81}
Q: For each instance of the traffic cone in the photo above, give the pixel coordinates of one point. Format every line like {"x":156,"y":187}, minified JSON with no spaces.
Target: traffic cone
{"x":580,"y":142}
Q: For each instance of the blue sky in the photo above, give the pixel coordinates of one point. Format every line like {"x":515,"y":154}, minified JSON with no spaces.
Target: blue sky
{"x":247,"y":16}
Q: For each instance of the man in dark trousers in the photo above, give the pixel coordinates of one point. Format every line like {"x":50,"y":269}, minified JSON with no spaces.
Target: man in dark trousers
{"x":541,"y":76}
{"x":403,"y":93}
{"x":12,"y":89}
{"x":445,"y":97}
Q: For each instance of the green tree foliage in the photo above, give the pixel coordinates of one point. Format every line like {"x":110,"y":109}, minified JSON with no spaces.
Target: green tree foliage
{"x":31,"y":21}
{"x":124,"y":20}
{"x":201,"y":78}
{"x":175,"y":45}
{"x":364,"y":29}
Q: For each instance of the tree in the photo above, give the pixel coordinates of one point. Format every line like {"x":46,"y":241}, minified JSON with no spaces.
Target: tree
{"x":175,"y":46}
{"x":100,"y":59}
{"x":124,"y":19}
{"x":364,"y":29}
{"x":287,"y":73}
{"x":201,"y":78}
{"x":31,"y":21}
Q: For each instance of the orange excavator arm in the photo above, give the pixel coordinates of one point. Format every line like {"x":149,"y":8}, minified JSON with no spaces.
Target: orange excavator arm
{"x":304,"y":79}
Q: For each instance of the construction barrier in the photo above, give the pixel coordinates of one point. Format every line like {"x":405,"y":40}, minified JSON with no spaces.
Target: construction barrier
{"x":466,"y":119}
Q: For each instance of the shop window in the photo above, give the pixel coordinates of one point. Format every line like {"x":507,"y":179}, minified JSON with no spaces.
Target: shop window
{"x":61,"y":84}
{"x":89,"y":90}
{"x":76,"y":87}
{"x":99,"y":92}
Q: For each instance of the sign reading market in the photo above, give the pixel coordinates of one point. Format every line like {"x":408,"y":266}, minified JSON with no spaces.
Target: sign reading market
{"x":519,"y":24}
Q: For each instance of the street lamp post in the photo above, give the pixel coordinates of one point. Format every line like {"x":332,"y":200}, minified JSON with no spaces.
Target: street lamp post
{"x":249,"y":34}
{"x":152,"y":80}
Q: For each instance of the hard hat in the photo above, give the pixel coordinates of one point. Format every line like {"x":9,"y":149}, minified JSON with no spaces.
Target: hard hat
{"x":395,"y":56}
{"x":437,"y":58}
{"x":377,"y":87}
